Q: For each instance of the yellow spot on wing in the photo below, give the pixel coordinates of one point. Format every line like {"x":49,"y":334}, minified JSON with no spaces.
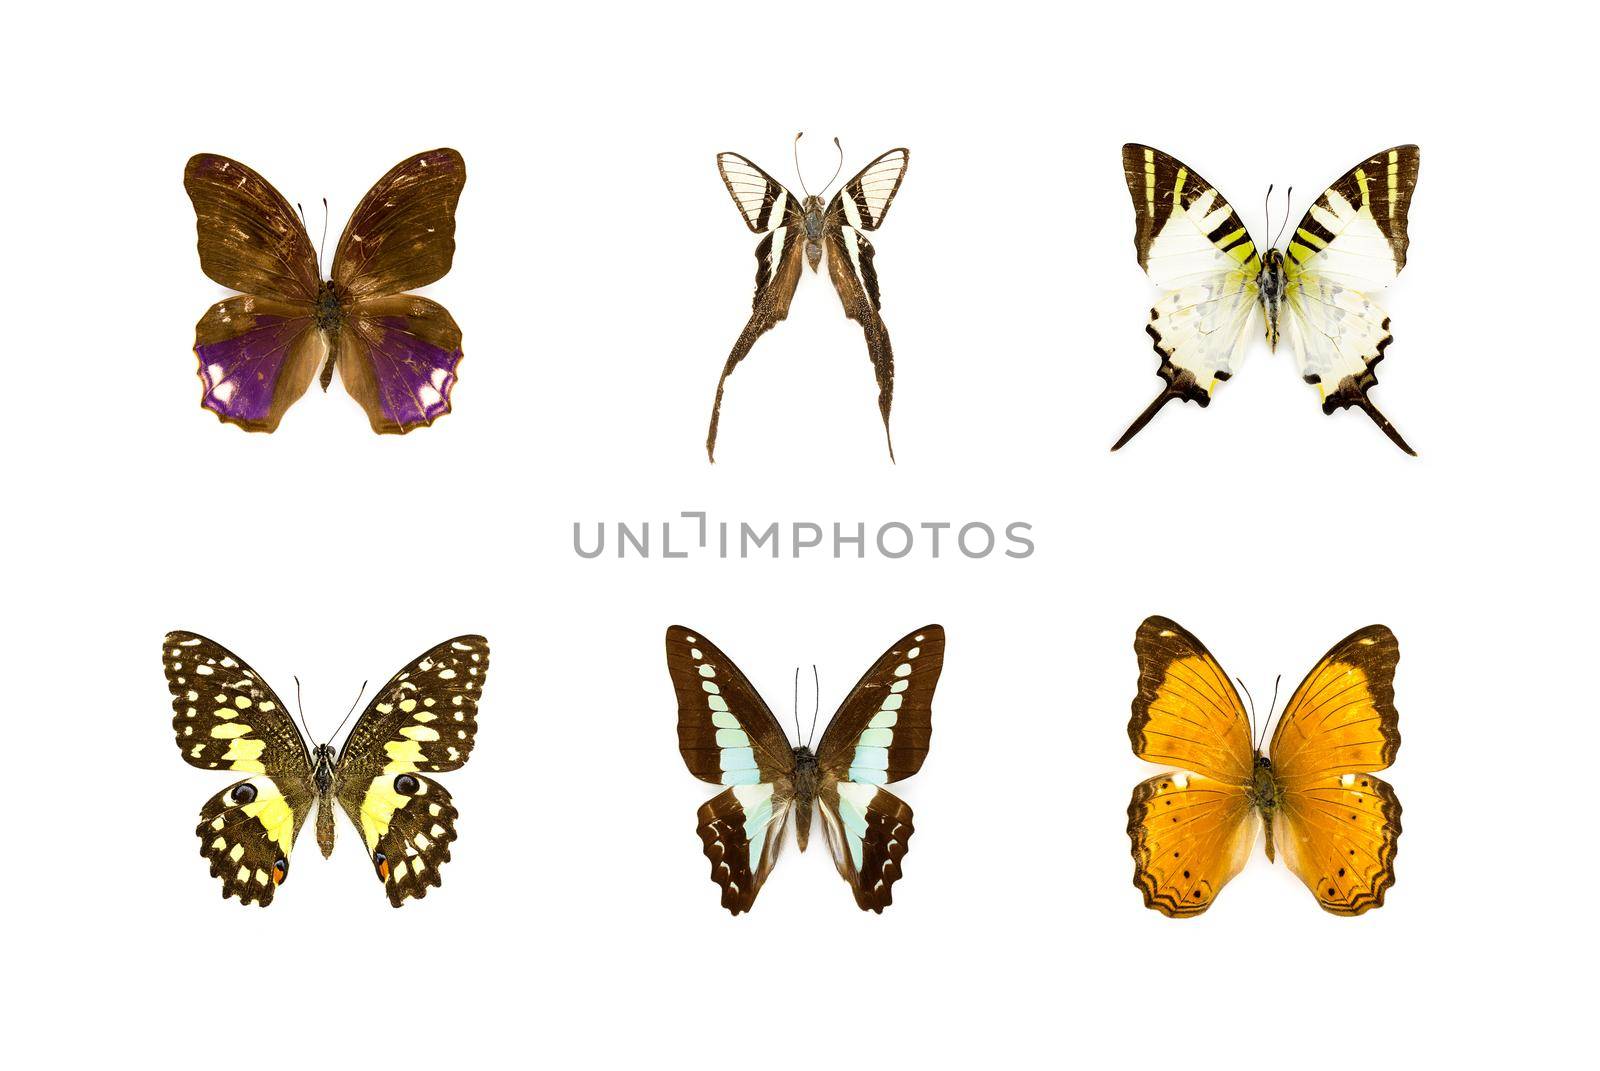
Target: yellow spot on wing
{"x":377,"y":809}
{"x":245,"y":755}
{"x":404,"y":756}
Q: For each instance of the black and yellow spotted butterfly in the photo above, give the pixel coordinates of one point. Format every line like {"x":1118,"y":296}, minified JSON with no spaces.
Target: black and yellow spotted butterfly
{"x":423,"y":721}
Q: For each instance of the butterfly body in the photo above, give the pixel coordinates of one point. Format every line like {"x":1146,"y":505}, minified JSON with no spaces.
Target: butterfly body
{"x":1313,"y":790}
{"x":260,"y":350}
{"x":728,"y":736}
{"x":424,"y":720}
{"x":1264,"y":797}
{"x":1319,"y":293}
{"x":796,"y":229}
{"x":1270,"y":284}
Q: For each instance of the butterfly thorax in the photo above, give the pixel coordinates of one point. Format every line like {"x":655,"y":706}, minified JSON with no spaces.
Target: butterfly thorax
{"x":1270,"y":283}
{"x":329,"y":309}
{"x":323,"y":761}
{"x":1264,"y":794}
{"x":814,"y":211}
{"x":806,"y":774}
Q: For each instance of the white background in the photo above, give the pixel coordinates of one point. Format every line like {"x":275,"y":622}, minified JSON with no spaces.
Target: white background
{"x":600,"y":277}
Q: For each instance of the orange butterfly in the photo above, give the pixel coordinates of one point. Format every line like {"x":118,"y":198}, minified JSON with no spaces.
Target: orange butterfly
{"x":1337,"y":825}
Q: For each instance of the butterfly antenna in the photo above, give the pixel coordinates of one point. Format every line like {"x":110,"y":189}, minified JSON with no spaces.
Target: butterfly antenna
{"x":796,"y":707}
{"x":352,"y":710}
{"x":1285,"y":224}
{"x":1252,"y":699}
{"x":302,"y":708}
{"x":807,"y":192}
{"x":838,"y":169}
{"x":323,"y":248}
{"x":1270,"y":709}
{"x":816,"y":682}
{"x":1266,"y":207}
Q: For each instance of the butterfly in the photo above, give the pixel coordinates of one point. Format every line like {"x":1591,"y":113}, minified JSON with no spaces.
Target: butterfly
{"x":729,"y":736}
{"x":1319,"y":292}
{"x":259,"y":350}
{"x":791,"y":225}
{"x":1337,"y":825}
{"x":423,"y":721}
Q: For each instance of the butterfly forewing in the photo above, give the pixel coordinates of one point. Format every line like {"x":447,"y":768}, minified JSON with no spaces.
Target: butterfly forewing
{"x":250,"y":238}
{"x":726,"y":733}
{"x":425,"y":718}
{"x":1355,"y":233}
{"x":227,"y":718}
{"x":881,"y":730}
{"x":761,"y":199}
{"x":1338,"y":824}
{"x":1187,"y":713}
{"x":403,"y":233}
{"x":863,"y":202}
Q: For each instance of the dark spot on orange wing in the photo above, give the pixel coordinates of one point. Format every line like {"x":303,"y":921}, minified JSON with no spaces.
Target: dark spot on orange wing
{"x":1186,"y":874}
{"x":1332,"y":891}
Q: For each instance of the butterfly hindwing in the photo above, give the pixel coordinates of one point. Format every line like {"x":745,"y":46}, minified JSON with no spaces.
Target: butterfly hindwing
{"x":257,"y":357}
{"x":868,"y":829}
{"x":1191,"y":835}
{"x":247,"y":832}
{"x":397,"y":357}
{"x":1337,"y":824}
{"x":742,"y":830}
{"x":406,"y":822}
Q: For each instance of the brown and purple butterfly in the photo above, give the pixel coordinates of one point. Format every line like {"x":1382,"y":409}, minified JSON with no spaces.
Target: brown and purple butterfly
{"x":259,"y":350}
